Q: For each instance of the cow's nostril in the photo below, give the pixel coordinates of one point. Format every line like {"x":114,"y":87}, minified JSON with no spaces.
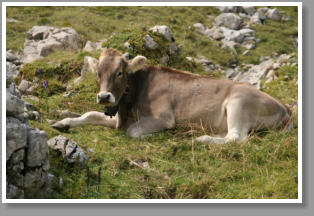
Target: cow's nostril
{"x":107,"y":97}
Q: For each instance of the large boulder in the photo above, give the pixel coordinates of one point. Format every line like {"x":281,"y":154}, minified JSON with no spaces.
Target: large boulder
{"x":44,"y":40}
{"x":229,"y":20}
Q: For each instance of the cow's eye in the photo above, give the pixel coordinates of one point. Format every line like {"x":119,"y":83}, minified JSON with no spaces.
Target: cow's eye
{"x":119,"y":74}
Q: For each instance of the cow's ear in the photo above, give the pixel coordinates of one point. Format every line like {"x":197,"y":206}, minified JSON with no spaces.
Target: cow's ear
{"x":137,"y":63}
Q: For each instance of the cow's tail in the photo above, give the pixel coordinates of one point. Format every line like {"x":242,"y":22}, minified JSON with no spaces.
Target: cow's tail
{"x":287,"y":123}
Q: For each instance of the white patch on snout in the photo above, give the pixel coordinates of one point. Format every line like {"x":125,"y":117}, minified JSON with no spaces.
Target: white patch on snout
{"x":112,"y":99}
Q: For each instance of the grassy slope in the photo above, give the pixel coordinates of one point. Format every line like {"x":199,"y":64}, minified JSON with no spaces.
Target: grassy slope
{"x":263,"y":167}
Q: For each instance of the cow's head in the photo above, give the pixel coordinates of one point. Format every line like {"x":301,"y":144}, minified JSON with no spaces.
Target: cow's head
{"x":112,"y":75}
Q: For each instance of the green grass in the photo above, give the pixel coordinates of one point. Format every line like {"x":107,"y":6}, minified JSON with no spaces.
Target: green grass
{"x":263,"y":167}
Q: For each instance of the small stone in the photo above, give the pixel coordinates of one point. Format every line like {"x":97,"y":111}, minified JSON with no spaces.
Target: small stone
{"x":150,"y":43}
{"x":9,"y":20}
{"x":24,"y":85}
{"x":164,"y":59}
{"x":68,"y":94}
{"x":34,"y":115}
{"x":164,"y":30}
{"x":127,"y":45}
{"x":273,"y":14}
{"x":199,"y":27}
{"x":89,"y":47}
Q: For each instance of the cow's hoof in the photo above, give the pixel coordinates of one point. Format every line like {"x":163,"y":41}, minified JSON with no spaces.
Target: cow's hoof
{"x":61,"y":127}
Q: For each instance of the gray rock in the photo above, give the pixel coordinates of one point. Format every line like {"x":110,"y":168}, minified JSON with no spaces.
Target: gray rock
{"x":164,"y":59}
{"x":250,"y":10}
{"x":37,"y":151}
{"x":69,"y":149}
{"x":10,"y":20}
{"x":230,"y":9}
{"x":263,"y":10}
{"x":258,"y":18}
{"x":89,"y":47}
{"x":39,"y":32}
{"x":16,"y":136}
{"x":12,"y":90}
{"x":58,"y":143}
{"x":24,"y":85}
{"x":48,"y":46}
{"x":232,"y":35}
{"x":229,"y":20}
{"x":34,"y":115}
{"x":164,"y":30}
{"x":11,"y":70}
{"x":229,"y":45}
{"x":44,"y":40}
{"x":199,"y":27}
{"x":173,"y":48}
{"x":215,"y":33}
{"x":273,"y":14}
{"x":14,"y":105}
{"x":90,"y":65}
{"x":34,"y":180}
{"x":10,"y":56}
{"x":150,"y":43}
{"x":127,"y":45}
{"x":256,"y":73}
{"x":68,"y":94}
{"x":13,"y":192}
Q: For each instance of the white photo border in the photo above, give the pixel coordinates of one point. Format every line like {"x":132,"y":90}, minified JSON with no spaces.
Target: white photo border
{"x":299,"y":200}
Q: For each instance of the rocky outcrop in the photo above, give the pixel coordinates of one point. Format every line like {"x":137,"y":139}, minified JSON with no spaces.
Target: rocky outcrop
{"x":254,"y":74}
{"x":44,"y":40}
{"x":27,"y":152}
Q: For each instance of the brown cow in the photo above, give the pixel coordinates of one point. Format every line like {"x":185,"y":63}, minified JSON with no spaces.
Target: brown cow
{"x":150,"y":99}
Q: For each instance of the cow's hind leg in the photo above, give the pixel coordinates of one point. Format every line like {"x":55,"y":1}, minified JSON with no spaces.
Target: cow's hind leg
{"x":89,"y":118}
{"x":238,"y":125}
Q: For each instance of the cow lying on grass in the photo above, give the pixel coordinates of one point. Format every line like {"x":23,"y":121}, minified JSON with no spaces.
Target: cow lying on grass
{"x":148,"y":99}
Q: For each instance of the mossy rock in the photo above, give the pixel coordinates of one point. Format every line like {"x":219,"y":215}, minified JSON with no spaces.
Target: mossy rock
{"x":58,"y":69}
{"x":135,"y":37}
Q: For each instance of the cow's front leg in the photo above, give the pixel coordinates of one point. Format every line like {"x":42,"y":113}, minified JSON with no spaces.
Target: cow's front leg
{"x":89,"y":118}
{"x":148,"y":125}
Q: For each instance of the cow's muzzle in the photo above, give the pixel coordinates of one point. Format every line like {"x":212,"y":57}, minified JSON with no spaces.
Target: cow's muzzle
{"x":105,"y":98}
